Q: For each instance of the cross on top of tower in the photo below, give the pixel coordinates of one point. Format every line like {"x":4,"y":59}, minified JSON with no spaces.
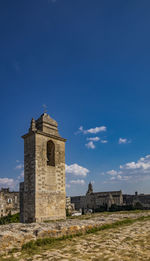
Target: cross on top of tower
{"x":45,"y":108}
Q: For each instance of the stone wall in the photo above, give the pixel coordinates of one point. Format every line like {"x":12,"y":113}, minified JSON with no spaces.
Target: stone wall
{"x":141,"y":199}
{"x":70,"y":208}
{"x":9,"y":202}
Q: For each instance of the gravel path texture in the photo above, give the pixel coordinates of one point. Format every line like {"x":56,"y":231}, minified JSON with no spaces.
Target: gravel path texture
{"x":130,"y":242}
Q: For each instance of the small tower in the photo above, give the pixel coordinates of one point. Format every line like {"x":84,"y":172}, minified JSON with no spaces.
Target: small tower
{"x":43,"y":192}
{"x":90,"y":188}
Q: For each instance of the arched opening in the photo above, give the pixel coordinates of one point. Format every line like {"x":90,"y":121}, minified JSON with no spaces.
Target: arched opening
{"x":50,"y":153}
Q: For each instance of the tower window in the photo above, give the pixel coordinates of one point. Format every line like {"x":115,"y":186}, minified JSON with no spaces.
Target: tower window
{"x":50,"y":153}
{"x":9,"y":200}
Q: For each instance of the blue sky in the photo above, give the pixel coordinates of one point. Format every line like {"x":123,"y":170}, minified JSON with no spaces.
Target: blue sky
{"x":89,"y":62}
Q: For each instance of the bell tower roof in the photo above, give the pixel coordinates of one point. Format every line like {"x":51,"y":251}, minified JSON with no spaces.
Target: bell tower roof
{"x":44,"y":125}
{"x":90,"y":188}
{"x":45,"y":118}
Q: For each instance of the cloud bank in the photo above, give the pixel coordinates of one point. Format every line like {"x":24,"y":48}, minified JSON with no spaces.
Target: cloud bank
{"x":134,"y":171}
{"x":90,"y":145}
{"x":92,"y":130}
{"x":78,"y":181}
{"x":93,"y":139}
{"x":76,"y":170}
{"x":123,"y":141}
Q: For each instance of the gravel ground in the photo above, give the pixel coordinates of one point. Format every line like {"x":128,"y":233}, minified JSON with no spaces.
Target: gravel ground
{"x":124,"y":243}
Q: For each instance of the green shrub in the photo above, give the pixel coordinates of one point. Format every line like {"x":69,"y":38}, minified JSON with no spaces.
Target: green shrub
{"x":9,"y":219}
{"x":137,"y":206}
{"x":67,"y":213}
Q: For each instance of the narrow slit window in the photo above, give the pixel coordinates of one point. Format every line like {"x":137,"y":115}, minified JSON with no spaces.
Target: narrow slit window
{"x":50,"y":153}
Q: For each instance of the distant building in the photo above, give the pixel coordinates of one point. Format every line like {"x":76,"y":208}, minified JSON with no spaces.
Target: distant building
{"x":69,"y":206}
{"x":97,"y":200}
{"x":138,"y":200}
{"x":9,"y":202}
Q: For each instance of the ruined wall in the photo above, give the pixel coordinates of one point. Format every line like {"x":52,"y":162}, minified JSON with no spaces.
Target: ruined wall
{"x":9,"y":202}
{"x":142,"y":199}
{"x":70,"y":208}
{"x":79,"y":202}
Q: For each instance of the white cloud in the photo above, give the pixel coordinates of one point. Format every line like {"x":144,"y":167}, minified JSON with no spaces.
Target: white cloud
{"x":112,"y":178}
{"x":81,"y":128}
{"x":13,"y":184}
{"x":112,"y":172}
{"x":21,"y":176}
{"x":104,"y":141}
{"x":134,"y":170}
{"x":95,"y":130}
{"x":19,"y":166}
{"x":120,"y":178}
{"x":141,"y":164}
{"x":93,"y":139}
{"x":7,"y":182}
{"x":123,"y":141}
{"x":77,"y":170}
{"x":92,"y":130}
{"x":77,"y":181}
{"x":90,"y":145}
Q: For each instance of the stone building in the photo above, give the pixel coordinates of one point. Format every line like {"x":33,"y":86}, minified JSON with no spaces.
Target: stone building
{"x":138,"y":200}
{"x":69,"y":206}
{"x":96,"y":200}
{"x":42,"y":194}
{"x":9,"y":202}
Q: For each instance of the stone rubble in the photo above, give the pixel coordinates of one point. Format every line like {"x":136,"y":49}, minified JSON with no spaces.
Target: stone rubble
{"x":15,"y":235}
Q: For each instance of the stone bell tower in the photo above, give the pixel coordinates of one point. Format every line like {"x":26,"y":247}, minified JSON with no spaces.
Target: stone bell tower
{"x":42,"y":194}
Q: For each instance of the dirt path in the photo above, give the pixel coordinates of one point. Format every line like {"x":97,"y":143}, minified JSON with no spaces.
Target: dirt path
{"x":124,"y":243}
